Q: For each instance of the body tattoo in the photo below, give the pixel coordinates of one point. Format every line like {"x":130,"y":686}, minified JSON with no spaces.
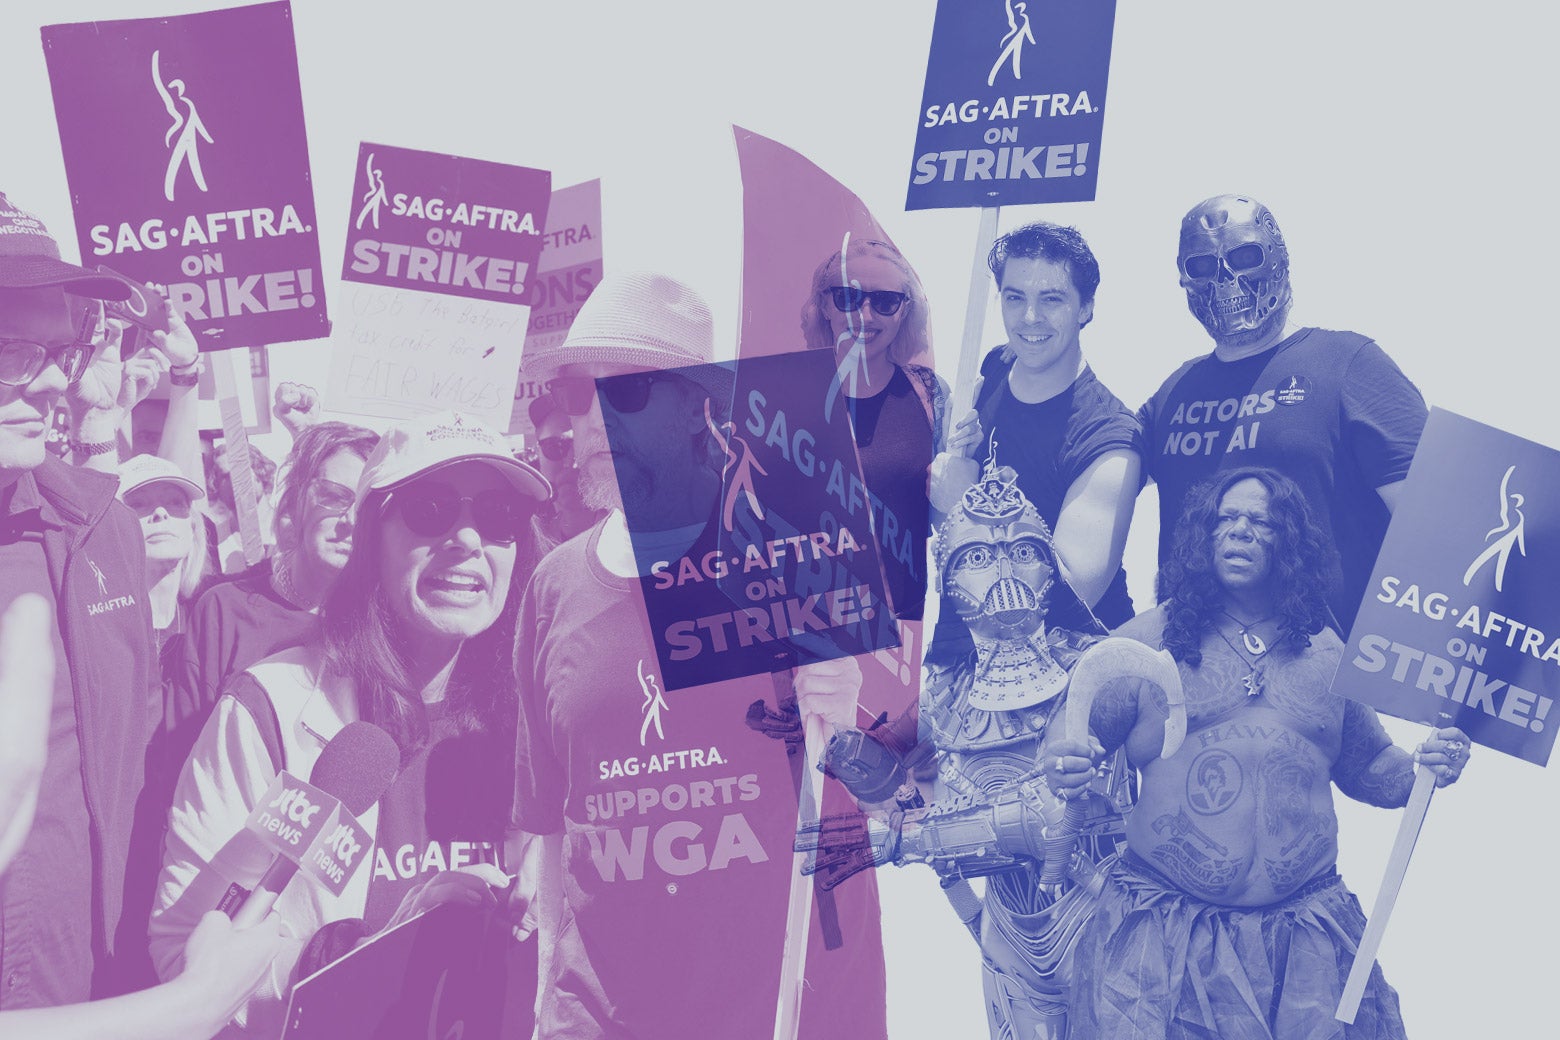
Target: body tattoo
{"x":1214,"y":782}
{"x":1284,"y":781}
{"x":1182,"y":857}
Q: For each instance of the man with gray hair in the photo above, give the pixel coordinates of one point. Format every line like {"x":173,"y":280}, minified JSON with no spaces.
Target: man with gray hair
{"x":666,"y":822}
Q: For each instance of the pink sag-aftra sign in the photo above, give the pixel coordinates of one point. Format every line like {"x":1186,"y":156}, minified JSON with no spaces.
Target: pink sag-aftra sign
{"x":188,"y":164}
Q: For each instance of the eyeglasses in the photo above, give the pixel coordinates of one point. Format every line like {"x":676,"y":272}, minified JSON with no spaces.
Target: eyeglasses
{"x":430,"y":508}
{"x":885,"y":302}
{"x":557,"y":448}
{"x":21,"y":360}
{"x":330,"y":497}
{"x":625,"y":394}
{"x":1241,"y":258}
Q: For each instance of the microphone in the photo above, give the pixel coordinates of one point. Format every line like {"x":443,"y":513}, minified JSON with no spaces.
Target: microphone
{"x":314,"y":826}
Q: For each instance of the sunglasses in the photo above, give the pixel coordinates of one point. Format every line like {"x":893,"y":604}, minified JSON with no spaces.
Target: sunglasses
{"x":177,"y":505}
{"x":625,"y":394}
{"x":885,"y":302}
{"x":430,"y":509}
{"x":21,"y":360}
{"x":558,"y":448}
{"x":1241,"y":258}
{"x":331,"y":497}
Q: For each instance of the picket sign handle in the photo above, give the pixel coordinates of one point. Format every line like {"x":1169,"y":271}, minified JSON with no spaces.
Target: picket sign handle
{"x":798,"y":915}
{"x":974,"y":316}
{"x":240,"y":471}
{"x":1391,"y":882}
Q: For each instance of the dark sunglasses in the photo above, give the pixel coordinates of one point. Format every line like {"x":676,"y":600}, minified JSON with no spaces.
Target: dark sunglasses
{"x":884,"y":301}
{"x":21,"y":360}
{"x":430,"y":508}
{"x":557,"y":448}
{"x":1241,"y":258}
{"x":625,"y":394}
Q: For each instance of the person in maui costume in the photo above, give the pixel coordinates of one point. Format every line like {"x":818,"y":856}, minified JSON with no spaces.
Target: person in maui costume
{"x":986,"y":713}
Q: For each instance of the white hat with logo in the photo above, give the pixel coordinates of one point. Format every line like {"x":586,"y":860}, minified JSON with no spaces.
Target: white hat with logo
{"x":141,"y":470}
{"x":432,"y":442}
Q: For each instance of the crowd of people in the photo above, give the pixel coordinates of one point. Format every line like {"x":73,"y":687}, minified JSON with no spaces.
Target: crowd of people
{"x":486,"y":614}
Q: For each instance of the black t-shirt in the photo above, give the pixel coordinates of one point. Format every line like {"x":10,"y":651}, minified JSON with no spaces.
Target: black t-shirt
{"x":1327,"y":409}
{"x":233,"y":625}
{"x":894,"y":441}
{"x":1052,"y":443}
{"x":448,"y":807}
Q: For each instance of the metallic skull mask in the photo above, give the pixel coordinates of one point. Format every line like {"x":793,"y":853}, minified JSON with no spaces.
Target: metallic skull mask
{"x":1234,"y":267}
{"x":996,"y":563}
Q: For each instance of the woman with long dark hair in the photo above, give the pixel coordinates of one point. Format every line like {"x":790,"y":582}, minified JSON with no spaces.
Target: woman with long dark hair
{"x":415,"y":638}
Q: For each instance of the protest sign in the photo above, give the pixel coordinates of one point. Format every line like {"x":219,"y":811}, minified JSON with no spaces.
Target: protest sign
{"x":1014,"y":103}
{"x":786,"y":569}
{"x":206,"y":188}
{"x":569,"y":268}
{"x":1460,"y":617}
{"x":432,"y":313}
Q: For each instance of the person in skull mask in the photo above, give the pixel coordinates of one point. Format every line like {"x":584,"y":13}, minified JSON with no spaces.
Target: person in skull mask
{"x":987,"y":712}
{"x":1330,"y":410}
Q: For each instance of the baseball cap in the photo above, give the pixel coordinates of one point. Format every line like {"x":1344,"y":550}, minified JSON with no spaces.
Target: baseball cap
{"x":432,"y":442}
{"x":142,"y":470}
{"x":30,"y":259}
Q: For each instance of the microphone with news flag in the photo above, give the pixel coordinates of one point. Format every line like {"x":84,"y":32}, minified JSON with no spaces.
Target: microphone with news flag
{"x":313,"y":826}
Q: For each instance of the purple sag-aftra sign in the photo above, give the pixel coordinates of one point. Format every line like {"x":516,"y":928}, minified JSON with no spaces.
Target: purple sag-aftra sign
{"x":1014,"y":103}
{"x":1461,"y":616}
{"x":784,"y":568}
{"x":188,"y":165}
{"x":445,"y":224}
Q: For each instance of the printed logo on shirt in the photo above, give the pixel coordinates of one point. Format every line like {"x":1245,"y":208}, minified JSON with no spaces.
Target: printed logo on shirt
{"x":408,"y":861}
{"x":1293,"y":391}
{"x":108,"y":604}
{"x":1503,"y":537}
{"x":653,"y":704}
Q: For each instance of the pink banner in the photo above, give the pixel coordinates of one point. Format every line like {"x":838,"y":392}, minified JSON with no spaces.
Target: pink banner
{"x":570,"y":267}
{"x":188,"y":165}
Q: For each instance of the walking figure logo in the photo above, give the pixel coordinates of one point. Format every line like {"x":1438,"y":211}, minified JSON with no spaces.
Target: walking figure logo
{"x":187,"y":124}
{"x":97,"y":572}
{"x":375,"y":196}
{"x":739,"y":464}
{"x":654,"y":704}
{"x":850,"y":369}
{"x":1013,"y":41}
{"x":1509,"y":533}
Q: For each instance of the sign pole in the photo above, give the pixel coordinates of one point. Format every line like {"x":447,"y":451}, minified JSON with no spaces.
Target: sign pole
{"x":1391,"y":883}
{"x":788,"y":1009}
{"x":246,"y":492}
{"x":974,"y":315}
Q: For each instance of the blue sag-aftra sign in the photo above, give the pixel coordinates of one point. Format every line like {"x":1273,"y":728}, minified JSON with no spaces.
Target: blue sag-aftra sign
{"x":1461,"y":617}
{"x":1014,"y":103}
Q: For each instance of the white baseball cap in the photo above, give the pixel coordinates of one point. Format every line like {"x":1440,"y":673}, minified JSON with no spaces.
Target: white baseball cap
{"x":422,"y":445}
{"x":142,"y":470}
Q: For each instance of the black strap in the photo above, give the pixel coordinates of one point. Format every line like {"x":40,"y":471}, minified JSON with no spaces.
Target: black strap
{"x":251,"y":695}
